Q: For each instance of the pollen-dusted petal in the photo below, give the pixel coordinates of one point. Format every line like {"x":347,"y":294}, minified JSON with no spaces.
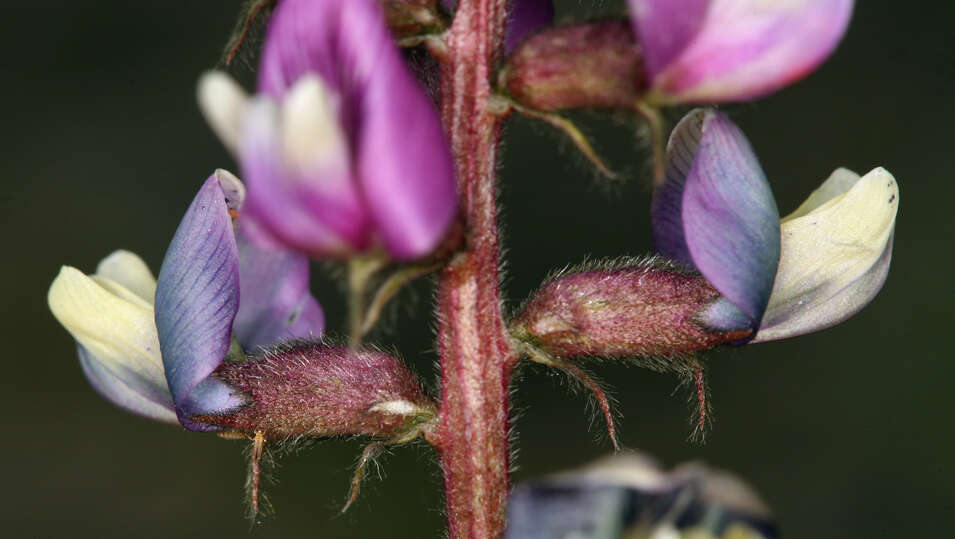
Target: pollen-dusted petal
{"x":745,"y":49}
{"x":224,"y":104}
{"x":835,"y":254}
{"x":124,"y":390}
{"x":275,"y":304}
{"x":197,"y":297}
{"x":232,"y":188}
{"x":128,"y":270}
{"x":716,"y":194}
{"x":116,"y":330}
{"x":664,"y":28}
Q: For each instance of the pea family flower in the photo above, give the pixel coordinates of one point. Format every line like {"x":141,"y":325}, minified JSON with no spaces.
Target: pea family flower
{"x":150,"y":347}
{"x":628,"y":495}
{"x":732,"y":271}
{"x":342,"y":149}
{"x":716,"y":51}
{"x":813,"y":269}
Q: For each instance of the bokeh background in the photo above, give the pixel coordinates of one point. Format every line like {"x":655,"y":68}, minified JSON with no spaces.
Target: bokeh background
{"x":846,"y":433}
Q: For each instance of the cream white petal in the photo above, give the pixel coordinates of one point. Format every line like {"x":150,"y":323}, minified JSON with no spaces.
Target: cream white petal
{"x":835,"y":254}
{"x":129,"y":271}
{"x":311,"y":134}
{"x":127,"y":392}
{"x":840,"y":181}
{"x":115,"y":325}
{"x":224,"y":104}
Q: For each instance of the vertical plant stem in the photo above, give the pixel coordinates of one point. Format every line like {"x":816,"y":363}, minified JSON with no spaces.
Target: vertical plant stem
{"x":476,"y":356}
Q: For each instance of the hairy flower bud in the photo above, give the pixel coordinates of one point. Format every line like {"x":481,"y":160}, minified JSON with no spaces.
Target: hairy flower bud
{"x":409,"y":18}
{"x":629,"y":309}
{"x":308,"y":389}
{"x":595,"y":64}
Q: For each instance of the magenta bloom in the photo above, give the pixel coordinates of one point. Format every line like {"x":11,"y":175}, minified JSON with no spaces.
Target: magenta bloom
{"x":342,"y":151}
{"x":714,"y":51}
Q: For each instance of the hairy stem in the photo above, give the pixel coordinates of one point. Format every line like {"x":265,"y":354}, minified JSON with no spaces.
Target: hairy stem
{"x":476,"y":356}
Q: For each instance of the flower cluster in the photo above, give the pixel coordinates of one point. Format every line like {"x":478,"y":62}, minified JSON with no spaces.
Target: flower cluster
{"x":345,"y":158}
{"x":343,"y":154}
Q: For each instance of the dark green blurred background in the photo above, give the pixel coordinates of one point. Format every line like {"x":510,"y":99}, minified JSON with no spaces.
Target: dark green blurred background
{"x":846,"y":433}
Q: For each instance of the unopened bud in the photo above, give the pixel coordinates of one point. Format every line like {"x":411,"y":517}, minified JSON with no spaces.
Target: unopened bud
{"x":630,"y":309}
{"x":595,"y":64}
{"x":410,"y":18}
{"x":313,"y":390}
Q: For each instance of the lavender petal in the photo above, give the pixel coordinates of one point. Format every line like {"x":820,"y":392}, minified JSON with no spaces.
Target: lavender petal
{"x":197,"y":297}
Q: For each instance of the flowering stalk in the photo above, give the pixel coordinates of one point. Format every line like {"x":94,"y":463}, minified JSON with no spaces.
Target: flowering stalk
{"x":476,"y":356}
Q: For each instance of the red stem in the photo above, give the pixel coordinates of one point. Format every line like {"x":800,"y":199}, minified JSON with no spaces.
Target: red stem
{"x":476,"y":356}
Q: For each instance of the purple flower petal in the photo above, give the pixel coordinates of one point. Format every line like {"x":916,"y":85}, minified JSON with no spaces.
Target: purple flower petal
{"x":666,"y":209}
{"x":197,"y":297}
{"x":744,"y":49}
{"x":402,"y":158}
{"x":525,"y":18}
{"x":315,"y":211}
{"x":405,"y":166}
{"x":716,"y":211}
{"x":664,"y":28}
{"x":276,"y":303}
{"x":127,"y":389}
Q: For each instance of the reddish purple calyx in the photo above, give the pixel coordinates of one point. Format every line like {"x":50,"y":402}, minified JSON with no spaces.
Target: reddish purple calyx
{"x":639,"y":310}
{"x":313,"y":390}
{"x":595,"y":64}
